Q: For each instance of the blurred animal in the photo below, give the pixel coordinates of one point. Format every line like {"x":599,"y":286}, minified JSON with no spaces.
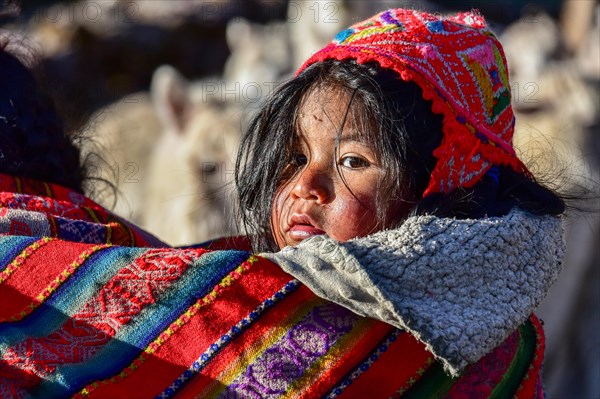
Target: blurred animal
{"x":170,"y":155}
{"x":189,"y":197}
{"x":116,"y":146}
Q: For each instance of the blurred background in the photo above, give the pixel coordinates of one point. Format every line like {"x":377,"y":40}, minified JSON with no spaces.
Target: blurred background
{"x":158,"y":92}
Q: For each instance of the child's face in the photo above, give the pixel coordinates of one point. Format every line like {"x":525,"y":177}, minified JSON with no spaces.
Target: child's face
{"x":316,"y":200}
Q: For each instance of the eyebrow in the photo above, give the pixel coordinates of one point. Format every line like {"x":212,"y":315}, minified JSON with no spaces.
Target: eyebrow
{"x":360,"y":138}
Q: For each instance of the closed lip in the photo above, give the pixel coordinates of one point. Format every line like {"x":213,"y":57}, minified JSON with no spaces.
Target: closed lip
{"x":302,"y":219}
{"x":302,"y":226}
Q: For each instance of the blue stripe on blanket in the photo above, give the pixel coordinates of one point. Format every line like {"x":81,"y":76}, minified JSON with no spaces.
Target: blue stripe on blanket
{"x":71,"y":295}
{"x":135,"y":336}
{"x":11,"y":246}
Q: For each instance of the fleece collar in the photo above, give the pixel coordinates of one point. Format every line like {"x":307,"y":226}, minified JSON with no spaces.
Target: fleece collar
{"x":459,"y":286}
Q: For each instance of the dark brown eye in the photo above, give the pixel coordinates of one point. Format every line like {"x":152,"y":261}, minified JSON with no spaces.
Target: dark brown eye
{"x":354,"y":162}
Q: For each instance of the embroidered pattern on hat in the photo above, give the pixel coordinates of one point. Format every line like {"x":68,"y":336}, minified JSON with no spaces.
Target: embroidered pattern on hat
{"x":459,"y":64}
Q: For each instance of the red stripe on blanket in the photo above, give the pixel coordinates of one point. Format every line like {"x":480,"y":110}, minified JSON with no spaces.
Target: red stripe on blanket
{"x":64,"y":194}
{"x":51,"y":264}
{"x":114,"y":305}
{"x":236,"y":356}
{"x":347,"y":356}
{"x":149,"y":375}
{"x":11,"y":184}
{"x":122,"y":297}
{"x":395,"y":370}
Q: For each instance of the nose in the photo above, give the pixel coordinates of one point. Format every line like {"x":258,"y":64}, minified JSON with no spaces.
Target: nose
{"x":313,"y":184}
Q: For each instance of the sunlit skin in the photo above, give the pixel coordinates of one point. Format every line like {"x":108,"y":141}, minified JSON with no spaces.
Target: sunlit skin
{"x":315,"y":200}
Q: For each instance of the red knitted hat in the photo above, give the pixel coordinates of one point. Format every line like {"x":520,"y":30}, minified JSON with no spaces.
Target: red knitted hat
{"x":459,"y":64}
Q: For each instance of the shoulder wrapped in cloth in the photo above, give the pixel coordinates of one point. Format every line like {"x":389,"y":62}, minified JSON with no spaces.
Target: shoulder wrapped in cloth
{"x":93,"y":307}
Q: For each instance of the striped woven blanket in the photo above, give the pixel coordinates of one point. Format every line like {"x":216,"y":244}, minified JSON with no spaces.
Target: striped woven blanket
{"x":91,"y":306}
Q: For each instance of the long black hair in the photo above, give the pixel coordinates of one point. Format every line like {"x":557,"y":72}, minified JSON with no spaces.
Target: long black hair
{"x":403,"y":131}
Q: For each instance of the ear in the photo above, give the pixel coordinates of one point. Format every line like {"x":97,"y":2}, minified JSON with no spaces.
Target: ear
{"x":169,"y":91}
{"x":238,"y":32}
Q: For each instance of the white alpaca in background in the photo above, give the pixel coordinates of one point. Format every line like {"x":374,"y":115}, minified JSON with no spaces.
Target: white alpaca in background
{"x":171,"y":157}
{"x":189,"y":198}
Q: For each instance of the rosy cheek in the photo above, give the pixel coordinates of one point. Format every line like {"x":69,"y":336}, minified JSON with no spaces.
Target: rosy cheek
{"x":351,"y":219}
